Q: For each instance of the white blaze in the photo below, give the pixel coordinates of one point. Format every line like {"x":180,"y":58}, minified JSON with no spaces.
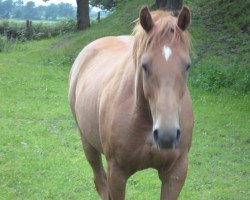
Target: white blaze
{"x":166,"y":52}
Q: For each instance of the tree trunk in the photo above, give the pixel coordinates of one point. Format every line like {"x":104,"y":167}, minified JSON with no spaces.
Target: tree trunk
{"x":161,"y":3}
{"x":173,"y":5}
{"x":82,"y":14}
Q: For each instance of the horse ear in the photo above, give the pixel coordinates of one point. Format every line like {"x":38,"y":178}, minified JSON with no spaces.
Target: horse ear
{"x":184,"y":18}
{"x":146,"y":19}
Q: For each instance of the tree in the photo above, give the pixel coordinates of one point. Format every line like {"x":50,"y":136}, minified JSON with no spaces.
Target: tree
{"x":29,"y":10}
{"x":104,"y":4}
{"x":41,"y":12}
{"x":6,"y":8}
{"x":18,"y":9}
{"x":65,"y":10}
{"x":51,"y":11}
{"x":173,"y":5}
{"x":82,"y":14}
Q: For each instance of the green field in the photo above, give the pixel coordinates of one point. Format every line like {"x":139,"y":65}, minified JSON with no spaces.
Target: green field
{"x":41,"y":155}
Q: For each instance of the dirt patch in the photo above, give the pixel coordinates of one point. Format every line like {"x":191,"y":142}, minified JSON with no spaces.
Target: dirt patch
{"x":62,"y":42}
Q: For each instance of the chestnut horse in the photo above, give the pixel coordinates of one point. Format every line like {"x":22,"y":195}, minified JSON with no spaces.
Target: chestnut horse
{"x":130,"y":100}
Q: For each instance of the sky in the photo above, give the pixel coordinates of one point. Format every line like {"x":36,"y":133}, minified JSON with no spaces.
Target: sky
{"x":41,"y":2}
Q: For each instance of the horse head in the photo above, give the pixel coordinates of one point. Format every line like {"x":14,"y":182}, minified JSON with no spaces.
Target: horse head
{"x":162,"y":58}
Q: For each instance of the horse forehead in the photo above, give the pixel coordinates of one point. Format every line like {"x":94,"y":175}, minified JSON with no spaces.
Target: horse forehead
{"x":166,"y":52}
{"x":177,"y":53}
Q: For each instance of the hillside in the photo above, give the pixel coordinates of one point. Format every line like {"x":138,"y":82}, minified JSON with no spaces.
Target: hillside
{"x":41,"y":155}
{"x":223,"y":45}
{"x":221,"y":41}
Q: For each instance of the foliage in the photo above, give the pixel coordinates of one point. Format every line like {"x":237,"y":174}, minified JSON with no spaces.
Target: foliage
{"x":5,"y":44}
{"x":43,"y":30}
{"x":17,"y":9}
{"x":16,"y":30}
{"x":6,"y":8}
{"x":12,"y":29}
{"x":106,"y":4}
{"x":173,"y":5}
{"x":212,"y":74}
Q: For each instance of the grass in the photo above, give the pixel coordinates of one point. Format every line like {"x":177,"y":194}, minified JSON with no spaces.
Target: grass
{"x":40,"y":151}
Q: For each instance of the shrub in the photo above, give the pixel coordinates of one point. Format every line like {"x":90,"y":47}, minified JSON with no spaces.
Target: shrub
{"x":4,"y":43}
{"x":213,"y":73}
{"x":17,"y":30}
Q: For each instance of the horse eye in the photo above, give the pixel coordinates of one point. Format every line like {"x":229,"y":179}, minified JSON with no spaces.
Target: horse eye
{"x":145,"y":68}
{"x":188,"y":66}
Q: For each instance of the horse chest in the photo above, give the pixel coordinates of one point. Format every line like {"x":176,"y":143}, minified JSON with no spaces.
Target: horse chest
{"x":138,"y":151}
{"x":146,"y":157}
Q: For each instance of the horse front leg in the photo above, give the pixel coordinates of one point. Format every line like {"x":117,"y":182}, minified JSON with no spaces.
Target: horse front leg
{"x":117,"y":180}
{"x":95,"y":160}
{"x":173,"y":180}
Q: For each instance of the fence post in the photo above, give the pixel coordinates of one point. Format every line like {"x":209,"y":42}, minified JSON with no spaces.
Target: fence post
{"x":29,"y":30}
{"x":99,"y":16}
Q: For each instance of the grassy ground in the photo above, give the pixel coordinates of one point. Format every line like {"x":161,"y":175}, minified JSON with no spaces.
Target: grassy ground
{"x":40,"y":151}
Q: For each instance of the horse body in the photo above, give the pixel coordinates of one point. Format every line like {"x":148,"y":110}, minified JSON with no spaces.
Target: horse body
{"x":90,"y":85}
{"x":115,"y":118}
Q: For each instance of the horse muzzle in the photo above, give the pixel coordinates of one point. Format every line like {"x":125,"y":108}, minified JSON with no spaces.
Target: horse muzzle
{"x":167,"y":140}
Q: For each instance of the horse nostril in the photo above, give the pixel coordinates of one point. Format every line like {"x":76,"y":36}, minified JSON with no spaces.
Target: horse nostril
{"x":178,"y":134}
{"x":156,"y":136}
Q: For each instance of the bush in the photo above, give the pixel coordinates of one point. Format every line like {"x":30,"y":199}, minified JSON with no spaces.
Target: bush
{"x":4,"y":43}
{"x":48,"y":30}
{"x":212,"y":74}
{"x":16,"y":30}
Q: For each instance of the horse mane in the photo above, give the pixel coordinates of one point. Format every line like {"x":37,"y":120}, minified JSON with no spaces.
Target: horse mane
{"x":166,"y":27}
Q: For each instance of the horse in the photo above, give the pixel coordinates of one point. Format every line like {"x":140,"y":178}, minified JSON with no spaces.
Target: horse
{"x":131,"y":103}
